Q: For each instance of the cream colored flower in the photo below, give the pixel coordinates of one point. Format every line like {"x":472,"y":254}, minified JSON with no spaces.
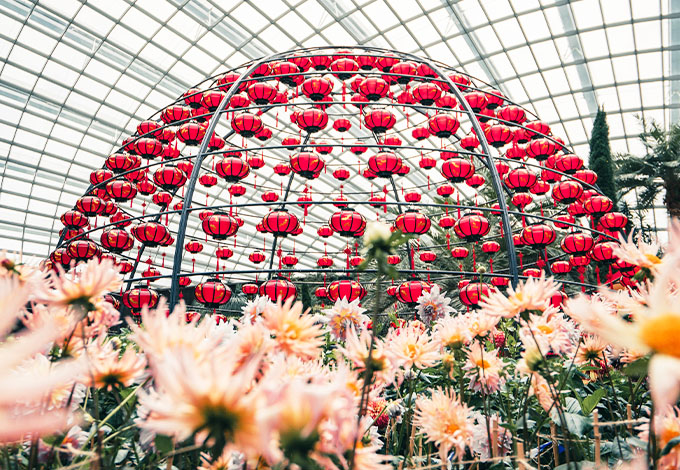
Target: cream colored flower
{"x":207,"y":398}
{"x":529,"y":296}
{"x":452,"y":332}
{"x":294,"y":331}
{"x":411,"y":347}
{"x":343,"y":316}
{"x":433,"y":305}
{"x":377,"y":233}
{"x":642,"y":254}
{"x":108,"y":368}
{"x":356,"y":350}
{"x":592,"y":351}
{"x":549,"y":332}
{"x":445,"y":421}
{"x":484,"y":370}
{"x":84,"y":286}
{"x":480,"y":324}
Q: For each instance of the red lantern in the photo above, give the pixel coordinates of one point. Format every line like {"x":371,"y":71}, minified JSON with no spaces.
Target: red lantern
{"x":278,"y":289}
{"x":99,"y":176}
{"x":385,"y":164}
{"x":472,"y":227}
{"x":426,"y":93}
{"x":224,"y":253}
{"x":476,"y":100}
{"x":520,"y":180}
{"x":445,"y":190}
{"x":139,"y":297}
{"x":428,"y":256}
{"x":246,"y":124}
{"x":521,"y":200}
{"x":347,"y":222}
{"x":443,"y":125}
{"x":312,"y":120}
{"x":460,"y":252}
{"x":586,"y":176}
{"x":347,"y":289}
{"x":597,"y":206}
{"x":412,"y":222}
{"x":194,"y":246}
{"x":324,"y":231}
{"x":220,"y":225}
{"x":473,"y":293}
{"x":280,"y":223}
{"x":344,"y":68}
{"x":410,"y":291}
{"x":475,"y":181}
{"x":569,"y":164}
{"x":540,"y":149}
{"x":212,"y":293}
{"x":90,"y":206}
{"x":207,"y":180}
{"x":603,"y":252}
{"x":175,"y":113}
{"x":83,"y":249}
{"x":262,"y":93}
{"x":498,"y":135}
{"x":121,"y":191}
{"x":169,"y":177}
{"x":577,"y":243}
{"x":249,"y":289}
{"x":538,"y":236}
{"x":614,"y":220}
{"x":374,"y":88}
{"x":412,"y":196}
{"x":491,"y":247}
{"x":380,"y":120}
{"x":74,"y":219}
{"x":567,"y":191}
{"x":116,"y":240}
{"x":150,"y":233}
{"x":317,"y":88}
{"x":307,"y":164}
{"x":457,"y":169}
{"x":256,"y":257}
{"x":232,"y":169}
{"x":537,"y":129}
{"x":325,"y":262}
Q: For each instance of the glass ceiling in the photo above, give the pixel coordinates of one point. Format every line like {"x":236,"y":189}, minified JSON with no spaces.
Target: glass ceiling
{"x":76,"y":77}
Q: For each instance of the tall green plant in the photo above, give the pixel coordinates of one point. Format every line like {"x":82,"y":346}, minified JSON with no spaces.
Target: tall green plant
{"x":601,"y":156}
{"x":657,"y":171}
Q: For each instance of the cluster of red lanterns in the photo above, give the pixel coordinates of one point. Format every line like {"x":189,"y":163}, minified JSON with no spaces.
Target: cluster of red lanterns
{"x":155,"y":164}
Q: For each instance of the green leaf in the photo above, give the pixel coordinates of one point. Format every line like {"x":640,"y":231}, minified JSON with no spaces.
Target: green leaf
{"x":672,"y":443}
{"x":637,"y":368}
{"x":575,"y":422}
{"x":163,"y":443}
{"x":590,"y":402}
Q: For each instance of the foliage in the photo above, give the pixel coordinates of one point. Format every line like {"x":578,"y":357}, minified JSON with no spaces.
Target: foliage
{"x":600,"y":160}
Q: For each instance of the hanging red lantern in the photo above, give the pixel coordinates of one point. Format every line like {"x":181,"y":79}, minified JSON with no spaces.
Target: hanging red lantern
{"x":445,"y":190}
{"x":347,"y":222}
{"x":148,"y":148}
{"x":289,"y":260}
{"x":410,"y":291}
{"x":457,"y":169}
{"x":577,"y":243}
{"x":373,"y":88}
{"x":520,"y":180}
{"x":540,"y":149}
{"x":341,"y":174}
{"x":576,"y":209}
{"x":603,"y":252}
{"x":162,"y":198}
{"x":317,"y":88}
{"x":560,"y":267}
{"x":473,"y":293}
{"x":61,"y":256}
{"x":537,"y":129}
{"x":475,"y":181}
{"x":121,"y":191}
{"x":146,"y":187}
{"x":567,"y":191}
{"x":237,"y":190}
{"x":208,"y":180}
{"x":324,"y":262}
{"x":232,"y":169}
{"x":393,"y":259}
{"x":426,"y":93}
{"x":427,"y":163}
{"x":74,"y":219}
{"x":212,"y":293}
{"x":460,"y":252}
{"x":101,"y":175}
{"x":220,"y":225}
{"x":287,"y":73}
{"x":412,"y":222}
{"x":447,"y":221}
{"x":521,"y":200}
{"x":597,"y":206}
{"x":120,"y":219}
{"x":380,"y":120}
{"x":385,"y":164}
{"x":175,"y":113}
{"x":83,"y":249}
{"x":280,"y":223}
{"x":324,"y":231}
{"x":412,"y":196}
{"x":282,"y":169}
{"x":569,"y":164}
{"x":246,"y":124}
{"x":224,"y":253}
{"x":116,"y":240}
{"x":532,"y":272}
{"x":511,"y":113}
{"x":586,"y":176}
{"x":278,"y":289}
{"x":476,"y":100}
{"x":344,"y":68}
{"x":472,"y":227}
{"x":540,"y":188}
{"x":491,"y":247}
{"x":307,"y":164}
{"x":249,"y":288}
{"x":443,"y":125}
{"x":347,"y":289}
{"x":262,"y":93}
{"x":150,"y":234}
{"x":498,"y":135}
{"x":139,"y":297}
{"x":194,"y":246}
{"x":90,"y":206}
{"x":312,"y":120}
{"x":169,"y":177}
{"x":256,"y":257}
{"x":538,"y":235}
{"x":428,"y":256}
{"x":614,"y":221}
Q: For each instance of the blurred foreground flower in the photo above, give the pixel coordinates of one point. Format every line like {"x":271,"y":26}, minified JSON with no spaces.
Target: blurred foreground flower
{"x":29,"y":405}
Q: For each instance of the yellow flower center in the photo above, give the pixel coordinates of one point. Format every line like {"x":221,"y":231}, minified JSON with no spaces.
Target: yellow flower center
{"x":545,"y":329}
{"x":451,"y":428}
{"x":661,"y":333}
{"x":482,"y":363}
{"x":412,"y":350}
{"x":653,"y":258}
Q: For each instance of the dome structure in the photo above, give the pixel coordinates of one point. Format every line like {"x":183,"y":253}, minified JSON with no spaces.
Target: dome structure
{"x":227,"y":133}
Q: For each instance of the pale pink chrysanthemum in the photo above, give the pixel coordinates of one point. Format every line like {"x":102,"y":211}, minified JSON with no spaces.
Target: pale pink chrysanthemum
{"x":31,"y":280}
{"x":666,"y":428}
{"x":642,"y":254}
{"x":529,"y":296}
{"x":452,"y":332}
{"x":410,"y":347}
{"x":228,"y":460}
{"x":433,"y":305}
{"x":84,"y":286}
{"x":356,"y":350}
{"x":160,"y":333}
{"x":550,"y":332}
{"x":343,"y":316}
{"x":592,"y":351}
{"x":484,"y":369}
{"x":254,"y":308}
{"x":445,"y":421}
{"x":294,"y":331}
{"x":480,"y":324}
{"x":251,"y":341}
{"x":590,"y":313}
{"x":204,"y":397}
{"x":109,"y":369}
